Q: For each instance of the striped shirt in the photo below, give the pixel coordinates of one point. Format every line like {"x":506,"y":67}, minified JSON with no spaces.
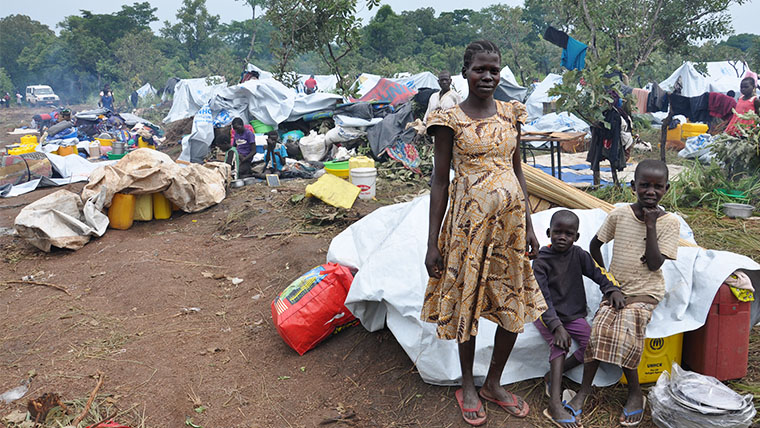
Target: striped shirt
{"x":628,"y":265}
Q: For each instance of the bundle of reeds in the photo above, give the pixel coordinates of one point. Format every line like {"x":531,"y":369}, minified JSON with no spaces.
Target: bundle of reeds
{"x":556,"y":191}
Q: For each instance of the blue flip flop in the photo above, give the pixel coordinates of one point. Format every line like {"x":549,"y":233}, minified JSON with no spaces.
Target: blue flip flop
{"x":575,"y":413}
{"x":562,"y":422}
{"x":628,"y":414}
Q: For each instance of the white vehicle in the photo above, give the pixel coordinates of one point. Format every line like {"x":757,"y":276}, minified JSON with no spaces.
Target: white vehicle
{"x":41,"y":94}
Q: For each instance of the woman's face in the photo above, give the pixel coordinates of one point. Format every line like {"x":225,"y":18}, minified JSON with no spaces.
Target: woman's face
{"x":483,"y":74}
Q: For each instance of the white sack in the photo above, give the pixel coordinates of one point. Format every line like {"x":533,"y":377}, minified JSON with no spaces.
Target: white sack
{"x":388,"y":248}
{"x":60,"y":220}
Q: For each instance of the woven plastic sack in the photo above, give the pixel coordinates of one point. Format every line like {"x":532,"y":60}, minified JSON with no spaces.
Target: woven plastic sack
{"x":312,"y":307}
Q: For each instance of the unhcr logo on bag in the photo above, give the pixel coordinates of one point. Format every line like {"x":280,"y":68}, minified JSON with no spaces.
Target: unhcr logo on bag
{"x":656,"y":344}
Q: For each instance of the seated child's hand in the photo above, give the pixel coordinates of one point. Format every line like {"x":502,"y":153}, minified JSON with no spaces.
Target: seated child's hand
{"x":562,"y":338}
{"x":617,"y":300}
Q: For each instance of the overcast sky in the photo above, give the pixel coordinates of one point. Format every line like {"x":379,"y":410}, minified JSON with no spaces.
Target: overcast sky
{"x":50,"y":12}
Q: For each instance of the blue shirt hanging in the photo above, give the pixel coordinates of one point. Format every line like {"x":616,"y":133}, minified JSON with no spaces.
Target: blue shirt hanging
{"x":574,"y":55}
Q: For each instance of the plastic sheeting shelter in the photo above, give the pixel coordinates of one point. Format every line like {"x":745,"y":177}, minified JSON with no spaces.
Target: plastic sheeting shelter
{"x":540,"y":95}
{"x":366,"y":82}
{"x":388,"y":91}
{"x":722,"y":76}
{"x":190,"y":95}
{"x":507,"y":90}
{"x":146,"y":90}
{"x":325,"y":82}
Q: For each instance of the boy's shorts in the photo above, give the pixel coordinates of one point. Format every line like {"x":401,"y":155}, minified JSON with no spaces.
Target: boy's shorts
{"x":617,"y":335}
{"x":578,"y":329}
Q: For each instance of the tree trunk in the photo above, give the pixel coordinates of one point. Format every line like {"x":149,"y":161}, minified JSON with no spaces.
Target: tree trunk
{"x":253,"y":36}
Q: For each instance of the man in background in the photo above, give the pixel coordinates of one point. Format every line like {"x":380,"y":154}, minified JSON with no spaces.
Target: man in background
{"x":445,"y":98}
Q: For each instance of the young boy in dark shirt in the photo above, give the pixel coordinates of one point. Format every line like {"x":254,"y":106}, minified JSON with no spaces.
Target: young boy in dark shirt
{"x":559,"y":271}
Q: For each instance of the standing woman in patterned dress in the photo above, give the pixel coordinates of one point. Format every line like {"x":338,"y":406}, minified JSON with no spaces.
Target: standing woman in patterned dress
{"x":478,"y":256}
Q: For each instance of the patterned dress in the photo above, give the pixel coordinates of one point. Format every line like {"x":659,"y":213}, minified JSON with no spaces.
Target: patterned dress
{"x":482,"y":239}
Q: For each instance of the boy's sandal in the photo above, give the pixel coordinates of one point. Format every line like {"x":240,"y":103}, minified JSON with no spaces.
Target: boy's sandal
{"x":562,"y":423}
{"x":459,"y":394}
{"x":508,"y":407}
{"x":626,"y":414}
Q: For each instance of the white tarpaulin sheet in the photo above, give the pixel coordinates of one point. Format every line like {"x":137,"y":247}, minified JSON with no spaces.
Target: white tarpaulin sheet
{"x":722,"y":76}
{"x":388,"y":248}
{"x":325,"y":82}
{"x":72,"y":169}
{"x":540,"y":95}
{"x":189,"y":96}
{"x":265,"y":99}
{"x":145,"y":90}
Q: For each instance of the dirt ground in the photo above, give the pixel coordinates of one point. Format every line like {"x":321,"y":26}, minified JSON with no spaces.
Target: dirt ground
{"x":125,"y":314}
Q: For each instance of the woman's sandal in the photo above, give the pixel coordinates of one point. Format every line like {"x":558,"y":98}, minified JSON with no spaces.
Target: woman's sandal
{"x":459,"y":394}
{"x":525,"y":409}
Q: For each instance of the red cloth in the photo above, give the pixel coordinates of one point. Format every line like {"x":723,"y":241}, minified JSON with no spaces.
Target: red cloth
{"x":721,"y":105}
{"x":310,"y":83}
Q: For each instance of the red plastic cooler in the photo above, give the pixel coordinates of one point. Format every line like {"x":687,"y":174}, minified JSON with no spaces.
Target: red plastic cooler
{"x":720,"y":347}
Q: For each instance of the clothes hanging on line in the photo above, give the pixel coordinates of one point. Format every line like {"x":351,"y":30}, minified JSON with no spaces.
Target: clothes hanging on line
{"x":641,"y":95}
{"x":695,"y":109}
{"x":574,"y":56}
{"x":555,"y":36}
{"x":657,"y":99}
{"x":606,"y":143}
{"x":721,"y":105}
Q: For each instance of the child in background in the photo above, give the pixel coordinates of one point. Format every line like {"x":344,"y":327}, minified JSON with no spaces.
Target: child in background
{"x":645,"y":236}
{"x":476,"y":256}
{"x":276,"y":154}
{"x":245,"y":141}
{"x":559,"y":271}
{"x":746,"y":103}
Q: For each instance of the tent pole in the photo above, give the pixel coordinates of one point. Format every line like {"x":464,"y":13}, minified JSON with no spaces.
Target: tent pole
{"x":664,"y":133}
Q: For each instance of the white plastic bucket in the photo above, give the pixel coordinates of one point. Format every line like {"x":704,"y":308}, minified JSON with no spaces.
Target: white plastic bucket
{"x":364,"y":178}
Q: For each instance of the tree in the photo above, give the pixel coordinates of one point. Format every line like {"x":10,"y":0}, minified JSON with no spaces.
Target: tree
{"x":506,"y":27}
{"x":6,"y":85}
{"x":18,"y":32}
{"x":253,"y":4}
{"x":138,"y":59}
{"x":328,"y":27}
{"x":634,"y":30}
{"x":195,"y":30}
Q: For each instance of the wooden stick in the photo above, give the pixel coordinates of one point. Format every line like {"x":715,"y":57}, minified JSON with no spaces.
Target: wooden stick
{"x":191,"y":263}
{"x":101,"y":378}
{"x":44,"y":284}
{"x":270,"y":234}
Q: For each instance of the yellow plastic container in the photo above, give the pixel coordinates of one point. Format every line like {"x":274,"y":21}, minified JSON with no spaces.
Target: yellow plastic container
{"x":361,"y":162}
{"x":67,"y":150}
{"x":29,"y":139}
{"x":338,"y":169}
{"x":162,"y":208}
{"x":675,"y":133}
{"x":144,"y":207}
{"x":142,"y":144}
{"x":694,"y":128}
{"x":21,"y":150}
{"x":659,"y":355}
{"x":121,"y":213}
{"x":334,"y":191}
{"x":105,"y":141}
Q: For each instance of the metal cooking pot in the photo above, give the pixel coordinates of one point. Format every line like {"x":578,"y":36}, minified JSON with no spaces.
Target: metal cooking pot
{"x":249,"y":180}
{"x":237,"y":183}
{"x":118,"y":147}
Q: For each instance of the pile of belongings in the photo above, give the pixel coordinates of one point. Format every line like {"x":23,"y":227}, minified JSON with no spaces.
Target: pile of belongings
{"x":687,"y":399}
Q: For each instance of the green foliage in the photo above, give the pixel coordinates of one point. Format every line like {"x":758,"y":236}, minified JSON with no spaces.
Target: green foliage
{"x":698,"y":186}
{"x":587,"y":93}
{"x":632,"y":31}
{"x":6,"y":85}
{"x":195,"y":29}
{"x":18,"y":32}
{"x":740,"y":156}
